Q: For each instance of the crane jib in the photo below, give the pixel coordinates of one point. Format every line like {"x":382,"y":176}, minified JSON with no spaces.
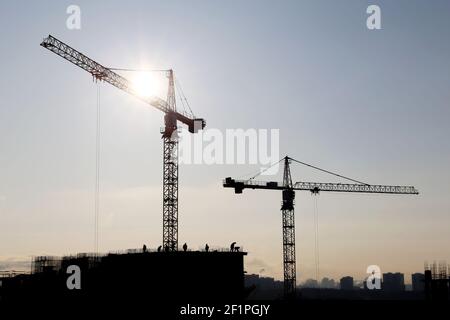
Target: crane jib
{"x":102,"y":73}
{"x":172,"y":116}
{"x":315,"y":187}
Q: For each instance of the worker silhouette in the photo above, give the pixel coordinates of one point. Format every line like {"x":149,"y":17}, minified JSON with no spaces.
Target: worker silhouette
{"x":206,"y":248}
{"x":185,"y":247}
{"x":159,"y":248}
{"x":232,"y":246}
{"x":144,"y":248}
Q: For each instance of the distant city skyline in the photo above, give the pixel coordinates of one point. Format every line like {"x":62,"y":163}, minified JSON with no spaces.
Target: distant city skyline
{"x":389,"y":279}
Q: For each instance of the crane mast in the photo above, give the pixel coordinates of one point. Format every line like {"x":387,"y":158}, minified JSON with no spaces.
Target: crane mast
{"x":169,"y":136}
{"x":287,"y":208}
{"x":287,"y":214}
{"x":170,"y":174}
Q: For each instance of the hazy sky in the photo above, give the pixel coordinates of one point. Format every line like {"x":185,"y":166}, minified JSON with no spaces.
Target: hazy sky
{"x":373,"y":105}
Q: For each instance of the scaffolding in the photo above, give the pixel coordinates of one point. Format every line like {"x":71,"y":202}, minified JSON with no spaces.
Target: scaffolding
{"x":437,"y":281}
{"x":42,"y":264}
{"x":439,"y":270}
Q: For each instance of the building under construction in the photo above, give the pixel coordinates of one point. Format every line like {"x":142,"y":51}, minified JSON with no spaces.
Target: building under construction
{"x":437,"y":281}
{"x":134,"y":275}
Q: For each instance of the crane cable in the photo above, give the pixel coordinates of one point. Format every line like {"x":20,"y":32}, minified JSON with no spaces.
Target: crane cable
{"x":329,"y":172}
{"x":182,"y":97}
{"x":308,"y":165}
{"x":137,"y":70}
{"x":316,"y":239}
{"x":262,"y":171}
{"x":97,"y":173}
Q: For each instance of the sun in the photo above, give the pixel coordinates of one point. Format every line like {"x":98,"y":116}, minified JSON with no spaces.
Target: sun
{"x":146,"y":84}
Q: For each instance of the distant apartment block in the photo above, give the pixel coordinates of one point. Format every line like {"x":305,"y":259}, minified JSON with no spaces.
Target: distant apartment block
{"x":346,"y":283}
{"x":263,"y":288}
{"x":393,"y":282}
{"x":418,"y":282}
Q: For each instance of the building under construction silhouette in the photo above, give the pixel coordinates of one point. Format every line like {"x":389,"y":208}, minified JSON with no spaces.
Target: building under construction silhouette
{"x":132,"y":276}
{"x":437,"y":281}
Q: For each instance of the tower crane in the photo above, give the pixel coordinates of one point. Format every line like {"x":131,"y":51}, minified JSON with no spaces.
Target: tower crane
{"x":288,"y":188}
{"x":171,"y":118}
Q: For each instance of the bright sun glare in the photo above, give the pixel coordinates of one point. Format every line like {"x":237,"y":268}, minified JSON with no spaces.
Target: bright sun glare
{"x":146,"y":84}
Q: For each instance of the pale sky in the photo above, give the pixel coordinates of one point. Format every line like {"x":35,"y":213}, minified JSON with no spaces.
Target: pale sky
{"x":371,"y":104}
